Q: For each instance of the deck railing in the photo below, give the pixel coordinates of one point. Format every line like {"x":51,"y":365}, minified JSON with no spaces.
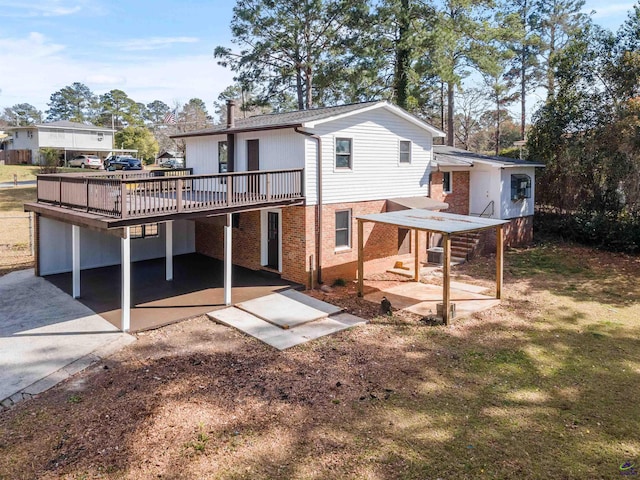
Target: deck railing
{"x":141,"y":194}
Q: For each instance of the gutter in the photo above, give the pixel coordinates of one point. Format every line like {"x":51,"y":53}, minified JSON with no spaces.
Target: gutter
{"x":318,"y":225}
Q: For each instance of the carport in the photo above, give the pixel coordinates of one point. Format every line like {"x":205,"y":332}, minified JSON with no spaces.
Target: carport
{"x":196,"y":288}
{"x":446,"y":224}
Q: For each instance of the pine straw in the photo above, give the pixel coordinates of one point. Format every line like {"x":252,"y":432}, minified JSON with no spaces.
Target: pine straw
{"x":540,"y":387}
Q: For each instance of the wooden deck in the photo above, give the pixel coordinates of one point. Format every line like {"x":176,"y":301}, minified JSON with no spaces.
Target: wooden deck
{"x":118,"y":199}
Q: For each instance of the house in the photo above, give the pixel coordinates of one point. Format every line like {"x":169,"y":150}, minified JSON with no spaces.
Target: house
{"x":278,"y":193}
{"x":69,"y":138}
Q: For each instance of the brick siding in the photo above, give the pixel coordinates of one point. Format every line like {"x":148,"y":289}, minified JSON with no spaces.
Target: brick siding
{"x":458,"y":199}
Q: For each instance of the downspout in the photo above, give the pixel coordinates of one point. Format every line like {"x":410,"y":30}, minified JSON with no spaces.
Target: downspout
{"x":318,"y":228}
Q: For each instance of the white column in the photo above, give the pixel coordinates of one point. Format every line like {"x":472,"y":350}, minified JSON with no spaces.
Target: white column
{"x":168,"y":243}
{"x":75,"y":260}
{"x":227,"y":261}
{"x":125,"y":294}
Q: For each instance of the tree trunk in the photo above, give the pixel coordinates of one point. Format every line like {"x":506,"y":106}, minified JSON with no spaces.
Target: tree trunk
{"x":552,"y":50}
{"x":401,"y":83}
{"x":450,"y":106}
{"x":299,"y":91}
{"x":523,"y":93}
{"x":308,"y":74}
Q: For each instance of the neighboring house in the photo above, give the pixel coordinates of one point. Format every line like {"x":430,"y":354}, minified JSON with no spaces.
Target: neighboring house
{"x":69,"y":138}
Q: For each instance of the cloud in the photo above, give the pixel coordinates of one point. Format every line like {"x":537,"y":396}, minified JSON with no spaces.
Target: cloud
{"x":33,"y":68}
{"x":42,"y":8}
{"x":610,"y":10}
{"x":153,"y":43}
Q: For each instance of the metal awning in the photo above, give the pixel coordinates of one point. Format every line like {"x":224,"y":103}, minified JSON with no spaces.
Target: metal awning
{"x":439,"y":222}
{"x":425,"y":203}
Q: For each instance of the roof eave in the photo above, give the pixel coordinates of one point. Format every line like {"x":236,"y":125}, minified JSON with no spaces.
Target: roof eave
{"x":235,"y":130}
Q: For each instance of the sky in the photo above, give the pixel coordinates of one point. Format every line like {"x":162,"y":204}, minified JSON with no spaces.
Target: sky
{"x":150,"y":49}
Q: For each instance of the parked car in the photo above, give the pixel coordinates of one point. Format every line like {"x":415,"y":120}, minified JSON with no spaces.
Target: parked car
{"x":86,"y":161}
{"x":172,"y":163}
{"x":123,"y":163}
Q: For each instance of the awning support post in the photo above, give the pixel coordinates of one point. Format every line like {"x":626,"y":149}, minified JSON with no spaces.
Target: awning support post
{"x":227,"y":260}
{"x":168,"y":243}
{"x":360,"y":258}
{"x":446,"y":280}
{"x":499,"y":260}
{"x":125,"y":249}
{"x":416,"y":275}
{"x":75,"y":260}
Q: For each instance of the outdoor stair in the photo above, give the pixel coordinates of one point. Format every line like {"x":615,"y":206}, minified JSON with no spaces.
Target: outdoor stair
{"x":463,"y":245}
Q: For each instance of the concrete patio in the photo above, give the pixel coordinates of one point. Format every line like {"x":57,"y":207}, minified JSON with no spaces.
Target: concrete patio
{"x":422,"y":298}
{"x":197,"y":288}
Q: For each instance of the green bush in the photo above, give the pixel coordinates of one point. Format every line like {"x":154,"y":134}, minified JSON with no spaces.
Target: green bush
{"x":618,"y":232}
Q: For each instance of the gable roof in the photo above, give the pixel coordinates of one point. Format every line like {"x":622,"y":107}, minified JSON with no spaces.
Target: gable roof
{"x":64,"y":124}
{"x":445,"y":156}
{"x":308,"y":119}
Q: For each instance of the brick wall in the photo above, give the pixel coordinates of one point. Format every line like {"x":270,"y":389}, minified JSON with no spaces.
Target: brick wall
{"x":458,"y":199}
{"x":298,"y":242}
{"x":519,"y":231}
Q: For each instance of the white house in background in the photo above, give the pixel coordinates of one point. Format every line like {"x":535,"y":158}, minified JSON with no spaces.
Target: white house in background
{"x":69,"y":138}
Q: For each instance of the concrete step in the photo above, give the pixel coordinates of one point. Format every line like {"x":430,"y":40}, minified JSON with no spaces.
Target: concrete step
{"x":287,"y":309}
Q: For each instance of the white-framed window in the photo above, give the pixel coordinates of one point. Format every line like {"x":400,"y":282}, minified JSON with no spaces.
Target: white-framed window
{"x":405,"y":151}
{"x":223,"y":157}
{"x":100,"y":136}
{"x":16,"y":134}
{"x":343,"y":229}
{"x":344,"y":154}
{"x":520,"y":186}
{"x":29,"y":133}
{"x":144,"y":231}
{"x":447,"y":185}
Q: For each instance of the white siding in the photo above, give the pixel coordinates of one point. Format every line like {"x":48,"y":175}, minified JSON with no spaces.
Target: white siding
{"x":23,"y":141}
{"x":376,"y":172}
{"x":279,"y":149}
{"x":74,"y":139}
{"x":484,"y":187}
{"x":100,"y":249}
{"x":202,"y":154}
{"x":521,"y":208}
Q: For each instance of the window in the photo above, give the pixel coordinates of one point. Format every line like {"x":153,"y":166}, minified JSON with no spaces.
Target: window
{"x":405,"y":151}
{"x":343,"y":229}
{"x":29,"y":133}
{"x":223,"y":156}
{"x":100,"y":136}
{"x":16,"y":134}
{"x":446,"y":182}
{"x":520,"y":187}
{"x":144,"y":231}
{"x":343,"y":153}
{"x":235,"y":220}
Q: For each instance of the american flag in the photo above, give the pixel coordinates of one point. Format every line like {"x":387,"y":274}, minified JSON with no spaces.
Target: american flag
{"x":170,"y":117}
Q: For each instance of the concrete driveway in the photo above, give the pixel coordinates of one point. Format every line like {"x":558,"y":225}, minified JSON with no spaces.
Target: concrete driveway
{"x":46,"y":336}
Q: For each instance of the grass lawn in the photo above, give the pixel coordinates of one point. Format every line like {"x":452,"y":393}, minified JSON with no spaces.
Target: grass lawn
{"x":15,"y":253}
{"x":26,"y":172}
{"x":542,"y":387}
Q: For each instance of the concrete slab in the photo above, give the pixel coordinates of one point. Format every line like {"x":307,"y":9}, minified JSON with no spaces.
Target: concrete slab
{"x":46,"y":336}
{"x":422,"y":298}
{"x":311,"y":302}
{"x":279,"y":338}
{"x":282,"y":310}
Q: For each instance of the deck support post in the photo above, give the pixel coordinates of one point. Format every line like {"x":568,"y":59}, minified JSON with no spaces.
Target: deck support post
{"x":168,"y":244}
{"x":416,"y":266}
{"x":227,"y":260}
{"x":446,"y":278}
{"x":125,"y":295}
{"x":360,"y":258}
{"x":75,"y":260}
{"x":499,"y":260}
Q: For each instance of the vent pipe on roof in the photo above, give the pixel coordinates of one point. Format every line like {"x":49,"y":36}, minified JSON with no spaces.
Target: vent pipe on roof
{"x":231,"y":107}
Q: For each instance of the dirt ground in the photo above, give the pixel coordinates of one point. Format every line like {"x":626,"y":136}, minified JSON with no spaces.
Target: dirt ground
{"x":494,"y":395}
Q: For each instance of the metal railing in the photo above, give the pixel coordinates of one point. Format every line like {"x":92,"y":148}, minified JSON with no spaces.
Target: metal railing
{"x":141,"y":194}
{"x":488,"y":211}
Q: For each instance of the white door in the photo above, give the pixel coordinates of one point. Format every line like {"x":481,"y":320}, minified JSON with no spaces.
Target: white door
{"x":479,"y":192}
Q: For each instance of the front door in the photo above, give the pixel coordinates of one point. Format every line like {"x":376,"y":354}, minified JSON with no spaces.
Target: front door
{"x":273,"y":240}
{"x":253,"y":164}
